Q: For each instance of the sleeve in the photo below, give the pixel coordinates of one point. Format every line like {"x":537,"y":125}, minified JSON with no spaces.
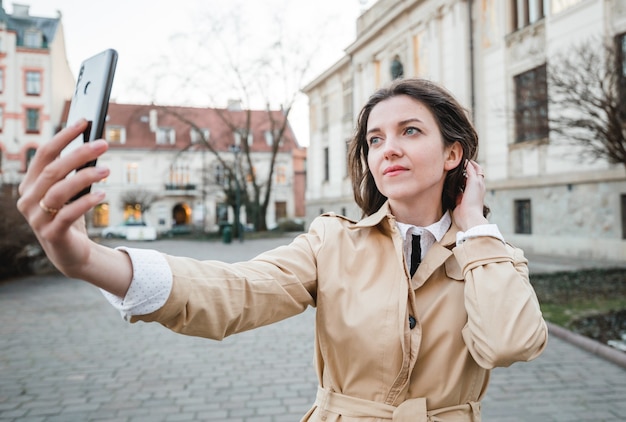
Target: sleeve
{"x":214,"y":299}
{"x":505,"y":324}
{"x":479,"y":231}
{"x":150,"y":286}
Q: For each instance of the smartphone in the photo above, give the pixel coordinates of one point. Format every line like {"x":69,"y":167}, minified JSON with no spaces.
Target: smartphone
{"x":90,"y":101}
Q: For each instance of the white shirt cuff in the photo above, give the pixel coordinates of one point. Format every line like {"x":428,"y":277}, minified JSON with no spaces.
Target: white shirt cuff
{"x":150,"y":287}
{"x":490,"y":230}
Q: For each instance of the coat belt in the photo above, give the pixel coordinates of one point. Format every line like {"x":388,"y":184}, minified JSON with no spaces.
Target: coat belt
{"x":412,"y":410}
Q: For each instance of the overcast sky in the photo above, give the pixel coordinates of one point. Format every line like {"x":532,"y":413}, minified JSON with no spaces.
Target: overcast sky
{"x":140,"y":29}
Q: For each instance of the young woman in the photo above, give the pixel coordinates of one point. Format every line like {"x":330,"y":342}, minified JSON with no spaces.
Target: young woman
{"x":415,"y":303}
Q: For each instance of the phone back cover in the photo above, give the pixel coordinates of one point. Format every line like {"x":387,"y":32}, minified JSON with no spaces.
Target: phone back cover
{"x":91,"y":95}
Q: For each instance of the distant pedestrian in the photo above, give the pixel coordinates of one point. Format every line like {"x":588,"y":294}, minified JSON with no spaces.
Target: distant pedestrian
{"x":416,"y":302}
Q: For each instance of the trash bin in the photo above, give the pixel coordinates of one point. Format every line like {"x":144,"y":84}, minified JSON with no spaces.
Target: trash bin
{"x":227,"y":233}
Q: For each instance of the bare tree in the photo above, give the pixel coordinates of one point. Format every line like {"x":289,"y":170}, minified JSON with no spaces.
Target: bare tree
{"x":20,"y":252}
{"x":587,"y":99}
{"x":270,"y":77}
{"x":139,"y":198}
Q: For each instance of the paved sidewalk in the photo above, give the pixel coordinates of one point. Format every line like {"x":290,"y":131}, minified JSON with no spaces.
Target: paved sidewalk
{"x":66,"y":355}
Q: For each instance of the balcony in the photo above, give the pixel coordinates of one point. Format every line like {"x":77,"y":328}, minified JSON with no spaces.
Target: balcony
{"x":180,"y":186}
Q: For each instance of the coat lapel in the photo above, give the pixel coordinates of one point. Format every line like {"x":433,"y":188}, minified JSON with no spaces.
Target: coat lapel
{"x":440,"y":254}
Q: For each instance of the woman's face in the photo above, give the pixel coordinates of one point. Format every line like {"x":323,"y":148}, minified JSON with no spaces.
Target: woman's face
{"x":407,"y":156}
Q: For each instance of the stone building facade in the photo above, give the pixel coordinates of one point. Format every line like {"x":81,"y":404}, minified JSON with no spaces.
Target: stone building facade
{"x":492,"y":55}
{"x":35,"y":81}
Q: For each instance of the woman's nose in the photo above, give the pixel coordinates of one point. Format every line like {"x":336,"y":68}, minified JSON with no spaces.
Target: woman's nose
{"x":392,"y":147}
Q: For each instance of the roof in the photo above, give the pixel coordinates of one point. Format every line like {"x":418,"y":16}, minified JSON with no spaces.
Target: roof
{"x":135,"y":119}
{"x":20,"y":23}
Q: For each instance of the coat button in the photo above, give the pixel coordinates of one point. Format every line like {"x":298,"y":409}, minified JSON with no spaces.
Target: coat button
{"x":412,"y":322}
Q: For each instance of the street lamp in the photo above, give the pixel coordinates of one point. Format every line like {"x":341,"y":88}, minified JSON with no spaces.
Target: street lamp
{"x":235,"y":149}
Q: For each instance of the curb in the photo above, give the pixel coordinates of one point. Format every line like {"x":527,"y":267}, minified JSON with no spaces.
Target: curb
{"x":589,"y":345}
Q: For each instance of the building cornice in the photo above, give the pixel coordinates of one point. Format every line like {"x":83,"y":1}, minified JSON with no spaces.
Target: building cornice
{"x":331,"y":71}
{"x":577,"y":178}
{"x":368,"y":32}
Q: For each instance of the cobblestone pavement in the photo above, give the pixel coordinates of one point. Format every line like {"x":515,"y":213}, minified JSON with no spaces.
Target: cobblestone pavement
{"x":66,"y":355}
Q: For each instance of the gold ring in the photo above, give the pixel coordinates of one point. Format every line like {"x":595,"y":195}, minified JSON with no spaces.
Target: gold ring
{"x":50,"y":211}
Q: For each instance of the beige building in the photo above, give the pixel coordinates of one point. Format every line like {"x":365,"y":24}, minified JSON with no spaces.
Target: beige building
{"x":493,"y":56}
{"x":157,"y":156}
{"x":35,"y":81}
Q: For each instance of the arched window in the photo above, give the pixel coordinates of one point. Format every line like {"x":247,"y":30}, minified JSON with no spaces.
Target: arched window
{"x":101,"y":215}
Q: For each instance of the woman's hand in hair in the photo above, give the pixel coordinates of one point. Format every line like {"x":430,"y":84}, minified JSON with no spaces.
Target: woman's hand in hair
{"x":469,"y":207}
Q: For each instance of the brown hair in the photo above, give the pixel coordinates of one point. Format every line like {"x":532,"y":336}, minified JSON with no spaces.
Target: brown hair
{"x":453,"y":123}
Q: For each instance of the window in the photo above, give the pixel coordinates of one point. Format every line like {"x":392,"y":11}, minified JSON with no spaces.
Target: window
{"x":526,"y":12}
{"x":623,"y":210}
{"x":239,"y":134}
{"x":179,"y":176}
{"x":531,"y":105}
{"x":197,"y":135}
{"x":32,"y":120}
{"x":30,"y":153}
{"x":33,"y":39}
{"x":281,"y":175}
{"x":523,"y":216}
{"x":132,"y":173}
{"x":33,"y":82}
{"x":269,"y":138}
{"x":165,"y":135}
{"x":219,"y":175}
{"x":101,"y":215}
{"x":326,"y":165}
{"x":132,"y":213}
{"x":116,"y":134}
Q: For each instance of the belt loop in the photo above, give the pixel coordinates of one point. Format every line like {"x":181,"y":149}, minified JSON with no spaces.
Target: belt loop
{"x":322,"y":401}
{"x":475,"y":406}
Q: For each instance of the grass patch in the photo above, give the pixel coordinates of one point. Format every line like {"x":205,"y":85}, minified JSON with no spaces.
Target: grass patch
{"x":590,"y":302}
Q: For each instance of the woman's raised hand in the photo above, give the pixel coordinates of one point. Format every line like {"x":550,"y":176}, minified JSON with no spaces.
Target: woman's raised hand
{"x":60,"y":225}
{"x":469,"y":209}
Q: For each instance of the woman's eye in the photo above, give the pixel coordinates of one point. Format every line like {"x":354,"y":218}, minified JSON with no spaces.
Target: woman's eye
{"x":412,"y":131}
{"x":374,"y":140}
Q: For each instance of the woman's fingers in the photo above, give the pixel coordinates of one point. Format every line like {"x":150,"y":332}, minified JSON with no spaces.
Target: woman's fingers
{"x":40,"y":180}
{"x":46,"y":189}
{"x":469,"y":209}
{"x":49,"y":152}
{"x":472,"y":168}
{"x":56,"y":198}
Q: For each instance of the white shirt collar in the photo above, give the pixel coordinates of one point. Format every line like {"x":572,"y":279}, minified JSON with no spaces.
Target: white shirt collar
{"x":428,"y":235}
{"x":438,"y":229}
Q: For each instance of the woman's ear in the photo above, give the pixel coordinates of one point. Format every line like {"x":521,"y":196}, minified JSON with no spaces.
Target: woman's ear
{"x":454,"y":155}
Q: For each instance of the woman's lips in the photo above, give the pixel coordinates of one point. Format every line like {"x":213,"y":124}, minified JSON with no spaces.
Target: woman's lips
{"x":393,"y":170}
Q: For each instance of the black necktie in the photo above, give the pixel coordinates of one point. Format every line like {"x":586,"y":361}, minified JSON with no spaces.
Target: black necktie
{"x":416,"y":254}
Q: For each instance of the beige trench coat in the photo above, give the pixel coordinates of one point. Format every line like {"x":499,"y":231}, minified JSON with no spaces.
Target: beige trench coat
{"x":473,"y":304}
